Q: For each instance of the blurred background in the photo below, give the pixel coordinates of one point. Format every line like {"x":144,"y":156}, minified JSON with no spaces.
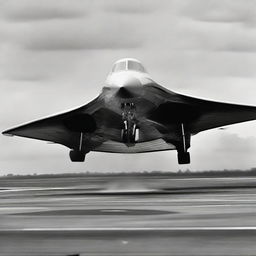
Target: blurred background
{"x":55,"y":55}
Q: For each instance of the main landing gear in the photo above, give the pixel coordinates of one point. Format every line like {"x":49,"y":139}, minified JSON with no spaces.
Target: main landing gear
{"x":183,"y":155}
{"x":130,"y":130}
{"x":78,"y":155}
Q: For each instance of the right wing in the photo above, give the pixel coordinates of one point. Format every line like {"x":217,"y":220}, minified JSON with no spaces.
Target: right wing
{"x":63,"y":128}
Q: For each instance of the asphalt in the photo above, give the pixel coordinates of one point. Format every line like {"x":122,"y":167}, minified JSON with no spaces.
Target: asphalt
{"x":128,"y":216}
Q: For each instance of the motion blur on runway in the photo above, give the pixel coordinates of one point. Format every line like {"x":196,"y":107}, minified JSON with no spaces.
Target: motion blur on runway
{"x":127,"y":215}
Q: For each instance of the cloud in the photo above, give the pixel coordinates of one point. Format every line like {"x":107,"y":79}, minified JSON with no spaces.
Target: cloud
{"x":27,"y":77}
{"x":203,"y":36}
{"x":108,"y":33}
{"x":30,"y":10}
{"x":231,"y":149}
{"x":223,"y":150}
{"x":22,"y":66}
{"x":217,"y":25}
{"x":243,"y":43}
{"x":233,"y":144}
{"x":98,"y":31}
{"x":129,"y":7}
{"x":111,"y":38}
{"x":242,"y":11}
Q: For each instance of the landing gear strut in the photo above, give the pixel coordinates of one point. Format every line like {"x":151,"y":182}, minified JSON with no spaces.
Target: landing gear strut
{"x":130,"y":131}
{"x":183,"y":155}
{"x":78,"y":155}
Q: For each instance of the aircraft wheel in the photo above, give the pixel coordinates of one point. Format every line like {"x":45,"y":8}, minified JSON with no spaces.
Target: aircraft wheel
{"x":133,"y":133}
{"x":137,"y":134}
{"x":76,"y":156}
{"x":124,"y":135}
{"x":183,"y":157}
{"x":130,"y":135}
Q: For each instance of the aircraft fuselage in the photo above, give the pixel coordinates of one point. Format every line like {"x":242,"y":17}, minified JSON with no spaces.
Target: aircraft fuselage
{"x":139,"y":89}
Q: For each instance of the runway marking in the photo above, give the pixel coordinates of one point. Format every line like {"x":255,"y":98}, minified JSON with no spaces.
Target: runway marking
{"x":238,"y":228}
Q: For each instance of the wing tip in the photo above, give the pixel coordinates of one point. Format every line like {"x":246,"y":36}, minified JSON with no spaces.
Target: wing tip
{"x":7,"y":133}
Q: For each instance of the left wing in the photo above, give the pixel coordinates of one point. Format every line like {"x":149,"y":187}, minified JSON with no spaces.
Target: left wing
{"x":198,"y":114}
{"x":212,"y":114}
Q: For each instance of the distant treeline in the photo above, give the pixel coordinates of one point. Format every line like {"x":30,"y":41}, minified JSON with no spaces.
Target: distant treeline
{"x":180,"y":173}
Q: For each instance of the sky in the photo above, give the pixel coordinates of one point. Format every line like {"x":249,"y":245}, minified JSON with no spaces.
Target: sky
{"x":55,"y":55}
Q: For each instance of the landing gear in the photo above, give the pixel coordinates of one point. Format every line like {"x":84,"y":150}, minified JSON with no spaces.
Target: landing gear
{"x":76,"y":156}
{"x":130,"y":131}
{"x":183,"y":155}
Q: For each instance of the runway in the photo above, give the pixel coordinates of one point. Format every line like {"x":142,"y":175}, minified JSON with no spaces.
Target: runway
{"x":127,"y":216}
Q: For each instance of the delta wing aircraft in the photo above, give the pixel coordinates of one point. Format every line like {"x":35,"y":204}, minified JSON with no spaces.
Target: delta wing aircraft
{"x":134,"y":114}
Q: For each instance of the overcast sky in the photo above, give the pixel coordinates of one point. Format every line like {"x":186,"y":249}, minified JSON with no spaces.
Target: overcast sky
{"x":55,"y":55}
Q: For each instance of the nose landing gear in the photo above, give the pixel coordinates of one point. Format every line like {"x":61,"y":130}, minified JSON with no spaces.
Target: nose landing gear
{"x":130,"y":133}
{"x":130,"y":130}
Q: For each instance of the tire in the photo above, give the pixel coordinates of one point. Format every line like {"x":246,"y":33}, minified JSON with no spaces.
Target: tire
{"x":137,"y":135}
{"x":124,"y":136}
{"x":127,"y":136}
{"x":183,"y":158}
{"x":76,"y":156}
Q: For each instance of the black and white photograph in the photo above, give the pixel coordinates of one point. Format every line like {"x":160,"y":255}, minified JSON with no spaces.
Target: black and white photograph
{"x":128,"y":128}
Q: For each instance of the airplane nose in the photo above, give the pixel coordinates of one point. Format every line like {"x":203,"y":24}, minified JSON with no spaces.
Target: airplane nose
{"x":130,"y":82}
{"x":128,"y":87}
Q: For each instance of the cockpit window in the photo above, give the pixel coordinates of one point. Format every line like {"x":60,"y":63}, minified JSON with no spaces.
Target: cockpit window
{"x":134,"y":65}
{"x":120,"y":66}
{"x":128,"y":64}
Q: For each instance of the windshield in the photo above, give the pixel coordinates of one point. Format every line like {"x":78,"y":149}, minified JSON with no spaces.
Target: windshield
{"x":134,"y":65}
{"x":120,"y":66}
{"x":128,"y":64}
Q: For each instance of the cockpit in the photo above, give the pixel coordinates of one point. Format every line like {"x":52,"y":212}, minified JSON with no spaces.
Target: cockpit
{"x":128,"y":64}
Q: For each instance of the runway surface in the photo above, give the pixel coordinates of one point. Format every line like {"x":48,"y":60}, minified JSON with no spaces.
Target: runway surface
{"x":127,"y":216}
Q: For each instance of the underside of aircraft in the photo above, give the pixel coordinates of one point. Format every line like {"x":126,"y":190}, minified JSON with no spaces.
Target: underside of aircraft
{"x":134,"y":114}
